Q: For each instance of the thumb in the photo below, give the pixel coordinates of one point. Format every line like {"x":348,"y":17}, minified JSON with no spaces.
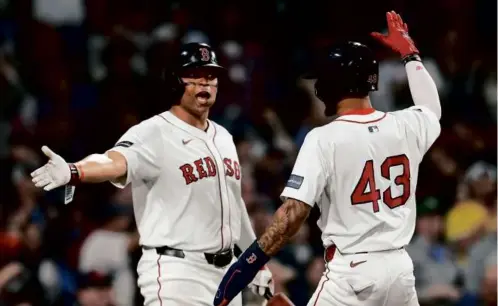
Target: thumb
{"x":380,"y":37}
{"x":49,"y":153}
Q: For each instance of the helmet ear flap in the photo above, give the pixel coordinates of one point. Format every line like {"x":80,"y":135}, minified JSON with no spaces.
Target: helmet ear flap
{"x":176,"y":85}
{"x":319,"y":91}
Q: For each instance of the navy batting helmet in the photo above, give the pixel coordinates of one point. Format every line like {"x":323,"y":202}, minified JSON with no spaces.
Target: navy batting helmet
{"x":346,"y":70}
{"x":191,"y":56}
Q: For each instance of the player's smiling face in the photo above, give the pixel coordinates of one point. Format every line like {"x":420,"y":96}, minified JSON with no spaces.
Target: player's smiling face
{"x":201,"y":87}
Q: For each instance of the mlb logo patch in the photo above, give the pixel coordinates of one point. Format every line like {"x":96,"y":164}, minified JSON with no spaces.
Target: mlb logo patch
{"x":373,"y":129}
{"x":295,"y":181}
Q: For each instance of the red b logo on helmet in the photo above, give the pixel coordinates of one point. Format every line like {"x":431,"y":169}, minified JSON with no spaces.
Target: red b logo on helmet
{"x":204,"y":54}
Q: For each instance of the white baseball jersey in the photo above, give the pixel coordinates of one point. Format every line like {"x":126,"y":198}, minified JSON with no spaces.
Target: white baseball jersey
{"x":185,"y":184}
{"x":361,"y":170}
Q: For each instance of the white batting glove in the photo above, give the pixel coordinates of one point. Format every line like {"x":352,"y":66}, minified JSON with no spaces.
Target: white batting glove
{"x":261,"y":282}
{"x":53,"y":174}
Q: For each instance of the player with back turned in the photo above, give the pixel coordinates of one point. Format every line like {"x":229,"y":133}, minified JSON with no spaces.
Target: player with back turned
{"x":185,"y":179}
{"x":361,"y":171}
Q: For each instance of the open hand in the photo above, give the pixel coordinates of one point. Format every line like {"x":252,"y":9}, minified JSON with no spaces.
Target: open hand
{"x":397,"y":37}
{"x":53,"y":174}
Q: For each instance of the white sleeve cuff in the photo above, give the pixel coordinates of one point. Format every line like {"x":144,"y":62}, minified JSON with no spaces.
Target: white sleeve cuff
{"x":295,"y":194}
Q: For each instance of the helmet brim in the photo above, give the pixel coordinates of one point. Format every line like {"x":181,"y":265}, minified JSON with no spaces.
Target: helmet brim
{"x":217,"y":69}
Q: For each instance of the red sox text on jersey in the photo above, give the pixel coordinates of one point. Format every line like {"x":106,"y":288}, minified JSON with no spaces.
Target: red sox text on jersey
{"x":205,"y":167}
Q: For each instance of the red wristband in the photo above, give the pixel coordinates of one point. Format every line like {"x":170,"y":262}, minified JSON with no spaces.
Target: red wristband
{"x":75,"y":174}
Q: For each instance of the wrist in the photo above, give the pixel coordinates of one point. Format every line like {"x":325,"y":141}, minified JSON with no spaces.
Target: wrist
{"x":410,"y":57}
{"x":255,"y":257}
{"x":76,"y":174}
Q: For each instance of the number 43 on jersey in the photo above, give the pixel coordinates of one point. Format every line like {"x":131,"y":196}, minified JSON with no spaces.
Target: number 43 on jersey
{"x":360,"y":194}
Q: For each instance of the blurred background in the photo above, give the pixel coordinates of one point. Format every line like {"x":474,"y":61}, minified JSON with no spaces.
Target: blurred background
{"x":76,"y":74}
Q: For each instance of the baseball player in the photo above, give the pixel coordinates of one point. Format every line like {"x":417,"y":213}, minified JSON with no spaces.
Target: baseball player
{"x":186,"y":184}
{"x":361,"y":170}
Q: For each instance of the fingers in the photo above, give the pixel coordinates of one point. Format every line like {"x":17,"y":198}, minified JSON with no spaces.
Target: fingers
{"x":38,"y":172}
{"x":257,"y":290}
{"x":399,"y":19}
{"x":42,"y":179}
{"x":261,"y":290}
{"x":42,"y":183}
{"x":390,"y":21}
{"x":49,"y":153}
{"x":394,"y":21}
{"x":39,"y":178}
{"x":50,"y":186}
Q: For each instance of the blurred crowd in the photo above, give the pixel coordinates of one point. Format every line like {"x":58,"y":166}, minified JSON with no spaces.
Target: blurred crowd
{"x":76,"y":74}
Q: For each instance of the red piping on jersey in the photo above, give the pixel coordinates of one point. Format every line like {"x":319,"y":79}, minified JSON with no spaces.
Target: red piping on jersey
{"x":361,"y":122}
{"x":158,"y":280}
{"x":219,"y":187}
{"x":221,"y":196}
{"x":323,"y":285}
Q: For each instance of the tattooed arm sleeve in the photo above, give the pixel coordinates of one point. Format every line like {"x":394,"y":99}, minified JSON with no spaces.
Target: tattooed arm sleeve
{"x":304,"y":188}
{"x":286,"y":222}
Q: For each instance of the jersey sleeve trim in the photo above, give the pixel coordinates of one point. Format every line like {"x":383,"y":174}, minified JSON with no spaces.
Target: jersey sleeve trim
{"x":288,"y":194}
{"x":361,"y":122}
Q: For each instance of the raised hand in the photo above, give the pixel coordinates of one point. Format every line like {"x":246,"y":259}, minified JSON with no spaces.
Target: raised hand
{"x":397,"y":37}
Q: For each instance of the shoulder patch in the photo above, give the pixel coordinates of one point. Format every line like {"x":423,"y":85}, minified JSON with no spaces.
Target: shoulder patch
{"x":124,"y":144}
{"x":295,"y":181}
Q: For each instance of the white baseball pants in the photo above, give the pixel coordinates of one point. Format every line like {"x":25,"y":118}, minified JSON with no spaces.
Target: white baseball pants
{"x":172,"y":281}
{"x":372,"y":279}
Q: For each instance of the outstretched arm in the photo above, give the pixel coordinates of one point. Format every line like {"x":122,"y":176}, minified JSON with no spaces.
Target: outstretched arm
{"x":93,"y":169}
{"x":287,"y":221}
{"x":137,"y":154}
{"x":98,"y":168}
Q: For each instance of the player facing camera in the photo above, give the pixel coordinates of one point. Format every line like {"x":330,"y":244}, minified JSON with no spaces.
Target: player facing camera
{"x":181,"y":162}
{"x":194,"y":79}
{"x":344,"y":71}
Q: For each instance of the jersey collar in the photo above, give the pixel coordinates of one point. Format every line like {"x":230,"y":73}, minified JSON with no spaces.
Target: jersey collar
{"x":192,"y":130}
{"x":359,"y":111}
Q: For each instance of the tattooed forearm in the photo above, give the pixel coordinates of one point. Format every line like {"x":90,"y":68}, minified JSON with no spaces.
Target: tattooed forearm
{"x":286,"y":222}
